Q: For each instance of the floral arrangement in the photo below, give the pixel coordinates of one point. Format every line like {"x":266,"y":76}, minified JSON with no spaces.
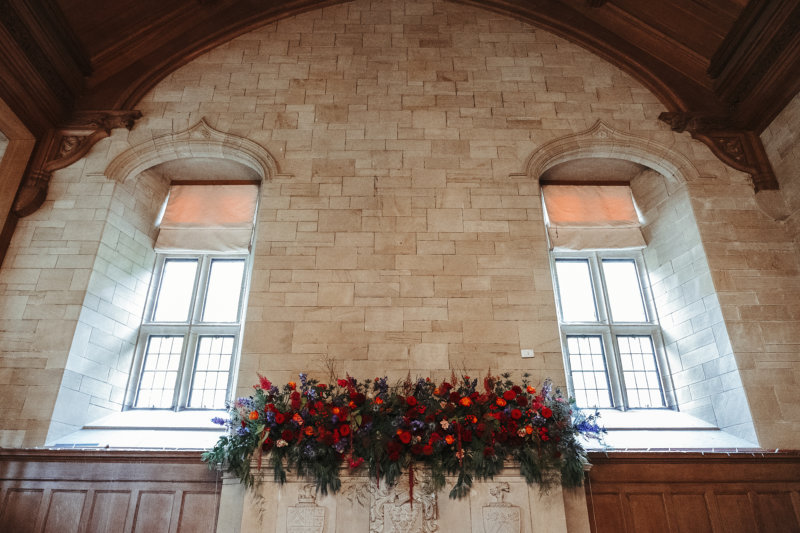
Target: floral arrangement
{"x":457,"y":427}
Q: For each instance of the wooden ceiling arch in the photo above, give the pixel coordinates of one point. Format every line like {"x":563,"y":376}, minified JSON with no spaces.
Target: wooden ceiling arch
{"x":722,"y":68}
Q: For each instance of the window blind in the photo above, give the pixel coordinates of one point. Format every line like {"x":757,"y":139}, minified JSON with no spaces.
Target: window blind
{"x":208,"y":218}
{"x":591,"y":217}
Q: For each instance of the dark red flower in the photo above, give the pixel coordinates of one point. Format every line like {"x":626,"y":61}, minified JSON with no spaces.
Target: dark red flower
{"x":394,"y":450}
{"x":522,"y":400}
{"x":435,"y":437}
{"x":488,"y":451}
{"x":410,"y":400}
{"x":295,"y":399}
{"x":322,"y":386}
{"x":405,"y":437}
{"x":344,"y":430}
{"x":342,"y":382}
{"x":466,"y":436}
{"x":509,"y":395}
{"x":356,"y":462}
{"x":280,"y":418}
{"x":287,"y":435}
{"x":517,"y":389}
{"x":264,"y":382}
{"x":547,"y":412}
{"x":454,"y":397}
{"x":516,"y":414}
{"x":420,"y":409}
{"x":416,"y":449}
{"x":427,"y":449}
{"x":267,"y":446}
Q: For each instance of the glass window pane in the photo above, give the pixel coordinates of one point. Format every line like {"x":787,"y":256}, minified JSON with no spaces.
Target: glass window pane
{"x":624,"y":291}
{"x":159,"y":372}
{"x":210,"y":384}
{"x":224,"y":290}
{"x":575,"y":290}
{"x":639,"y":373}
{"x":175,"y":290}
{"x":588,"y":371}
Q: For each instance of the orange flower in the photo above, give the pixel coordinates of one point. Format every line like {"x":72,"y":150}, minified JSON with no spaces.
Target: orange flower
{"x":472,"y":418}
{"x":253,"y":415}
{"x":379,"y":400}
{"x":528,"y":430}
{"x":436,"y":391}
{"x":297,"y":418}
{"x":501,"y":402}
{"x":465,"y":401}
{"x":309,"y":430}
{"x":292,"y":385}
{"x":449,"y":439}
{"x":335,"y":410}
{"x":531,"y":390}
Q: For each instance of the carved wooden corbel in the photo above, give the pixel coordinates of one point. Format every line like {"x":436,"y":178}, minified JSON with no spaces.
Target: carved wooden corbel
{"x":61,"y":147}
{"x":741,"y":149}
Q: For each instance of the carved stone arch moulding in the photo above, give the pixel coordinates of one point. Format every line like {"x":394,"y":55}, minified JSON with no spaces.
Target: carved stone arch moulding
{"x":602,"y":141}
{"x":200,"y":140}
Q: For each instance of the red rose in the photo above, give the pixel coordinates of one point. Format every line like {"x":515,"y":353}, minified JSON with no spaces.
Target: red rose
{"x":421,"y":409}
{"x":410,"y":400}
{"x":435,"y":437}
{"x":322,"y":386}
{"x":344,"y":431}
{"x":454,"y":396}
{"x":267,"y":446}
{"x":516,"y":414}
{"x":522,"y":401}
{"x":509,"y":395}
{"x":342,"y":382}
{"x":517,"y":389}
{"x":405,"y":437}
{"x":547,"y":412}
{"x":280,"y":418}
{"x":427,"y":449}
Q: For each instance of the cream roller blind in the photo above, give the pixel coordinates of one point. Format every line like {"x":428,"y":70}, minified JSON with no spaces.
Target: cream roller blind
{"x":591,"y":217}
{"x":208,"y":218}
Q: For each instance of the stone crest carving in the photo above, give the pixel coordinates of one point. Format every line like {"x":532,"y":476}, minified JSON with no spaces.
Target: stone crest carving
{"x":393,"y":510}
{"x":501,"y":516}
{"x":306,"y":516}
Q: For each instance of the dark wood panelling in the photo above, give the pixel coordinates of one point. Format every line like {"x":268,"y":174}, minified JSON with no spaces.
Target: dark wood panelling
{"x":111,"y":491}
{"x":105,"y":512}
{"x":694,"y":493}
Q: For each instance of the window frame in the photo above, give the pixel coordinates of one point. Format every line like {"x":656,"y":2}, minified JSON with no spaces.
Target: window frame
{"x":192,"y":329}
{"x":609,"y":330}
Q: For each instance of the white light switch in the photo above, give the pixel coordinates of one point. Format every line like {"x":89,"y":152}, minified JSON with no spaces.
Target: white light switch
{"x":527,"y":353}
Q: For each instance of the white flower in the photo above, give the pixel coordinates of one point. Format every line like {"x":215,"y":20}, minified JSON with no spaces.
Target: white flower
{"x":445,"y":424}
{"x":281,"y":443}
{"x":521,"y":432}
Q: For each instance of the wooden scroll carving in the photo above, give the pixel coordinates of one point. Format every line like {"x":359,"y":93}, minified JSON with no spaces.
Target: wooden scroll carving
{"x":741,"y":149}
{"x":61,"y":147}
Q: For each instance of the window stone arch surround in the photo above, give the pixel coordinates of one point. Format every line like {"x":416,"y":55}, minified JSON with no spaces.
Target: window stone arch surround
{"x":705,"y":373}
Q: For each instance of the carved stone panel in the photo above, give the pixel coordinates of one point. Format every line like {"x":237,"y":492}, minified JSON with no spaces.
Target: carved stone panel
{"x":306,"y":516}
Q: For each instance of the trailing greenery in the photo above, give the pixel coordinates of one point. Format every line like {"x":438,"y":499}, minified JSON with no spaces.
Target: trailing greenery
{"x":457,"y":427}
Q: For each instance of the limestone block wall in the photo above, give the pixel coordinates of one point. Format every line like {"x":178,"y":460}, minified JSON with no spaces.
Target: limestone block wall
{"x":703,"y":367}
{"x":401,"y":233}
{"x":782,"y":141}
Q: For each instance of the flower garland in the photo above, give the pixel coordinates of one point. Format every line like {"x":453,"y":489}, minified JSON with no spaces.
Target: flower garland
{"x":454,"y":428}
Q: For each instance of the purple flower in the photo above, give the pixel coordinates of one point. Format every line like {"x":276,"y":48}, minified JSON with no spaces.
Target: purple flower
{"x":243,"y":431}
{"x":219,"y":421}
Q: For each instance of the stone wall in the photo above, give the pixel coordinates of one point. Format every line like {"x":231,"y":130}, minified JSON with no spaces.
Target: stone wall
{"x":401,"y":233}
{"x":782,"y":141}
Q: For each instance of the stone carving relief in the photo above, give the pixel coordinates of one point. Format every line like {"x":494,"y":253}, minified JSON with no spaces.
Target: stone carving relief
{"x":501,"y":516}
{"x":394,"y":510}
{"x":306,"y":516}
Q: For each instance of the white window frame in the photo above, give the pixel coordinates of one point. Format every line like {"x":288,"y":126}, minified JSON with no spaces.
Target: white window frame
{"x":192,"y":329}
{"x":608,"y":330}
